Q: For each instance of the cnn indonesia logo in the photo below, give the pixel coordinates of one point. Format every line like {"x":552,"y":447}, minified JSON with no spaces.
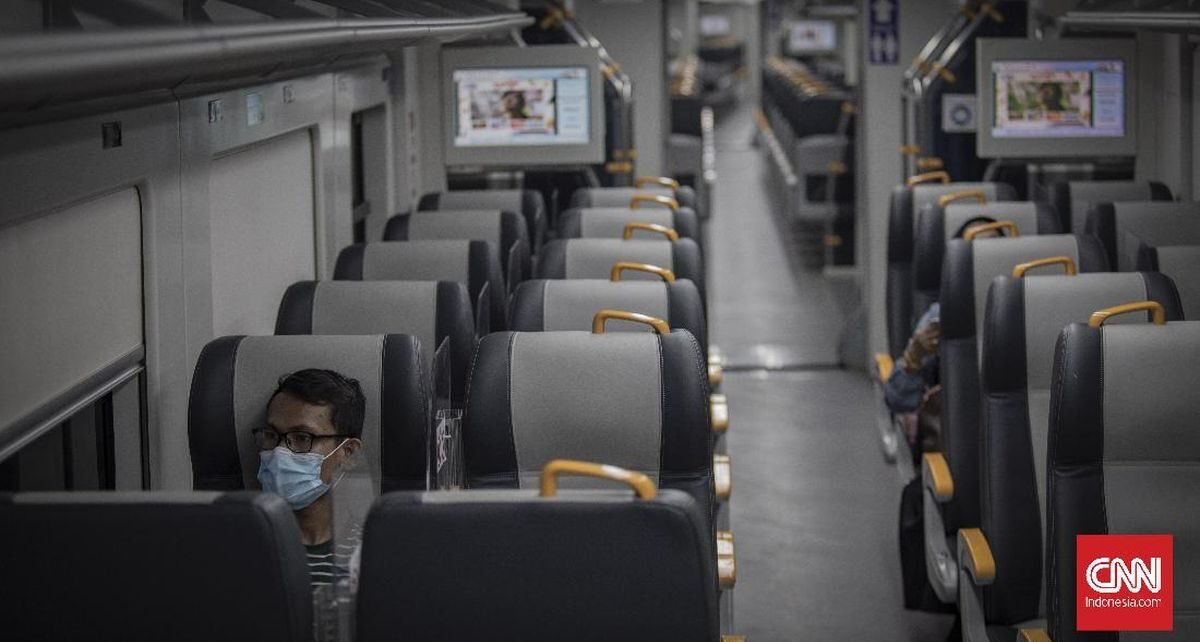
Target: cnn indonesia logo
{"x":1124,"y":583}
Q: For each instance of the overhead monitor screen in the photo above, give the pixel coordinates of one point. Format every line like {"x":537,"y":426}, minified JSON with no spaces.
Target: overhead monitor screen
{"x":714,"y":25}
{"x":522,"y":106}
{"x":1059,"y":98}
{"x":811,"y":36}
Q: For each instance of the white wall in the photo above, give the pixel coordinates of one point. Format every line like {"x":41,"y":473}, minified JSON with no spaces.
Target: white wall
{"x":1165,"y":99}
{"x":878,"y":158}
{"x":634,"y":33}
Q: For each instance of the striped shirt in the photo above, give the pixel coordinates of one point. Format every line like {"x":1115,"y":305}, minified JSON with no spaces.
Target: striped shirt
{"x":328,"y":563}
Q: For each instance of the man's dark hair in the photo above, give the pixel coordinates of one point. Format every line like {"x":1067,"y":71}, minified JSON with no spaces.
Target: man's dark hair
{"x":328,"y":388}
{"x":962,"y":229}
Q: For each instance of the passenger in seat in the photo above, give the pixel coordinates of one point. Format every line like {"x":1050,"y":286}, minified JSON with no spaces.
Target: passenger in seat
{"x":312,"y":438}
{"x":913,"y":387}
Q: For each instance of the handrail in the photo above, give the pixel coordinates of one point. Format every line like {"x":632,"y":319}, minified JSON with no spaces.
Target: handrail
{"x":92,"y":65}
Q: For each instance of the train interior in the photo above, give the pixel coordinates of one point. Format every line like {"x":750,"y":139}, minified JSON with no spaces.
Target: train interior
{"x":574,"y":320}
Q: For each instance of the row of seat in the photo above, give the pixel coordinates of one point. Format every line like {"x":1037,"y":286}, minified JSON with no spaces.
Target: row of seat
{"x":534,"y":392}
{"x":1030,"y":364}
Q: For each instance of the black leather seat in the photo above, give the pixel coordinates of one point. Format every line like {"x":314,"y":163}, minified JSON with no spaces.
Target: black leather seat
{"x":1182,"y":264}
{"x":905,"y":202}
{"x":430,"y":311}
{"x":1073,"y":199}
{"x":951,"y":477}
{"x":234,"y":379}
{"x":526,"y":202}
{"x":1023,"y":319}
{"x":937,"y":225}
{"x":1123,"y":227}
{"x":613,"y":222}
{"x":635,"y":400}
{"x":594,"y":259}
{"x":144,"y":566}
{"x":1124,"y":457}
{"x":505,"y":230}
{"x":621,"y":196}
{"x":513,"y":565}
{"x":473,"y":263}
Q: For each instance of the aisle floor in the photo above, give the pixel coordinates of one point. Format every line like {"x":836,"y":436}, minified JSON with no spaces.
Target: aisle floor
{"x":815,"y":506}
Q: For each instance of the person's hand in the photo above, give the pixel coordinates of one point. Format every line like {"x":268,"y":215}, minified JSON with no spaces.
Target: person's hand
{"x":924,"y":343}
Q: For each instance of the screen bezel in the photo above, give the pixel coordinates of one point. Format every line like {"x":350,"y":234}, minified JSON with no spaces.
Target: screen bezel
{"x":990,"y":50}
{"x":787,"y":39}
{"x":542,"y":56}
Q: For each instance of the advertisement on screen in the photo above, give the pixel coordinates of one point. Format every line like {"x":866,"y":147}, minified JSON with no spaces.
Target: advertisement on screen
{"x":530,"y":106}
{"x":812,"y":36}
{"x":1059,"y":98}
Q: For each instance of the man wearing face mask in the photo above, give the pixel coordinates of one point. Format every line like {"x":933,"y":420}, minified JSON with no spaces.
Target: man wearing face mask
{"x":313,"y":433}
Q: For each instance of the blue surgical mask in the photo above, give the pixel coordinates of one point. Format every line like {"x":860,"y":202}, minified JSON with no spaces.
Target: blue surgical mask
{"x":296,"y":477}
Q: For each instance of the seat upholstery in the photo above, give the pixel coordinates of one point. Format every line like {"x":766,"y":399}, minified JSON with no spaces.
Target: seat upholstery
{"x":1023,"y":319}
{"x":505,"y":230}
{"x":543,"y":304}
{"x":610,"y":222}
{"x":902,"y":221}
{"x":630,"y":399}
{"x":594,"y":258}
{"x":621,"y":196}
{"x":1182,"y":264}
{"x":1120,"y":227}
{"x":430,"y":311}
{"x":474,"y":263}
{"x":970,"y":267}
{"x":583,"y":565}
{"x":1124,"y":456}
{"x":526,"y":202}
{"x":234,"y":379}
{"x":937,"y":225}
{"x":190,"y":566}
{"x":1073,"y":199}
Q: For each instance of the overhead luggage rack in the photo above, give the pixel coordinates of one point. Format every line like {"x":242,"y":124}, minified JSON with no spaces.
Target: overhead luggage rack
{"x":65,"y":66}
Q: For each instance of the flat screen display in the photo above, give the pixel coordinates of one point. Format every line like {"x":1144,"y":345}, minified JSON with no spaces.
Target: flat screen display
{"x":812,"y":36}
{"x":522,"y":106}
{"x":714,"y":25}
{"x":1059,"y":98}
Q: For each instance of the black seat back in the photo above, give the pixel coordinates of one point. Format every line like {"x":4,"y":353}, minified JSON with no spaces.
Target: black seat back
{"x":143,"y":566}
{"x":1073,"y":199}
{"x":527,"y":202}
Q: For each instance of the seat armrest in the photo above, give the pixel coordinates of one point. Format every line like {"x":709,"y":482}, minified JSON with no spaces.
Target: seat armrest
{"x":975,"y":555}
{"x":722,"y":476}
{"x":884,"y":366}
{"x":1033,"y":635}
{"x":935,"y":475}
{"x":726,"y":560}
{"x":718,"y":406}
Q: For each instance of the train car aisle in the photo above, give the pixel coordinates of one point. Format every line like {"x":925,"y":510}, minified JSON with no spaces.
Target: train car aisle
{"x":814,"y":503}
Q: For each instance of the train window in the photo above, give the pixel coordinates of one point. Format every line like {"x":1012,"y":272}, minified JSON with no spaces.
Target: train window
{"x":100,"y":446}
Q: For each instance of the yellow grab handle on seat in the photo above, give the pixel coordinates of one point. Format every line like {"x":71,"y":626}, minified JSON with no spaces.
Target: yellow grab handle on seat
{"x":659,"y":325}
{"x":884,"y":364}
{"x":1032,"y":635}
{"x":980,"y":562}
{"x":621,"y":266}
{"x":1158,"y":314}
{"x":1067,"y":262}
{"x":718,"y":407}
{"x":716,"y":374}
{"x":630,"y":228}
{"x":911,"y":150}
{"x":726,"y":560}
{"x":928,"y":177}
{"x":976,"y":230}
{"x":722,"y":476}
{"x":929,"y":162}
{"x":641,"y":484}
{"x":939,"y":473}
{"x":976,"y":194}
{"x":643,"y":181}
{"x":638,"y":199}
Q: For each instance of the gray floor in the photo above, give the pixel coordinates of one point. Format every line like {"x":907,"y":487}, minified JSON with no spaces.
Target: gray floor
{"x":814,"y":507}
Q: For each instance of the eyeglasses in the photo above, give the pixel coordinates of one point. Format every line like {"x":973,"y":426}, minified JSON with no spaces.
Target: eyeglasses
{"x":297,"y":441}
